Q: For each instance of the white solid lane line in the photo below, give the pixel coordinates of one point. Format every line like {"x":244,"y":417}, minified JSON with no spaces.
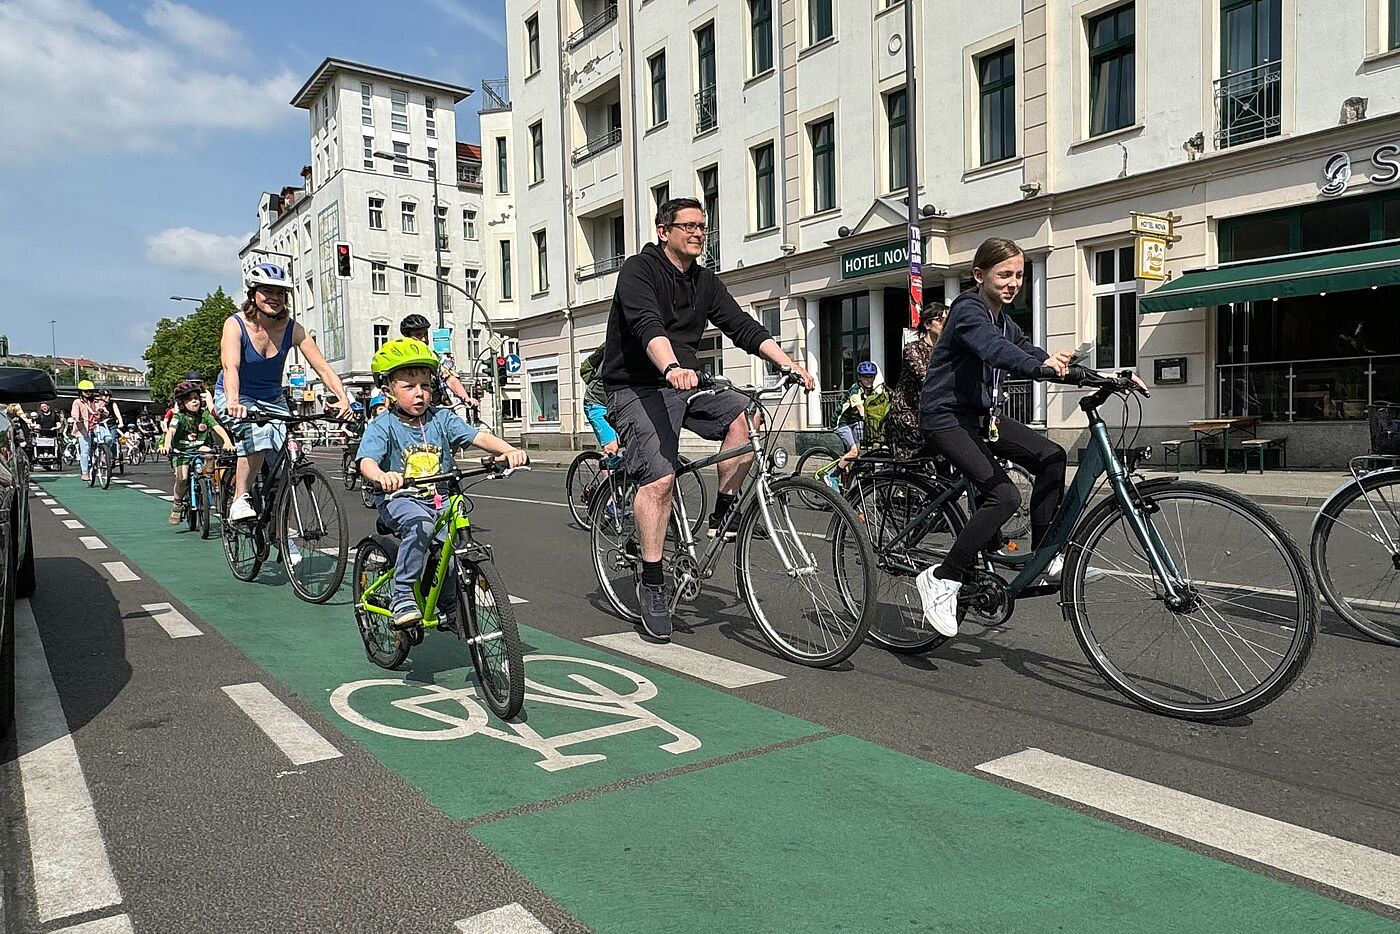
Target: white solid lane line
{"x":171,"y":620}
{"x":512,"y":499}
{"x":697,"y":664}
{"x":293,"y":735}
{"x":59,"y":512}
{"x":117,"y":924}
{"x":92,"y":542}
{"x":1348,"y":866}
{"x":71,"y":871}
{"x":509,"y":919}
{"x":119,"y":571}
{"x":72,"y":524}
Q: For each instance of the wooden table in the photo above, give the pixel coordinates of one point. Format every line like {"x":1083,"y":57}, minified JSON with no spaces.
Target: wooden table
{"x":1205,"y":428}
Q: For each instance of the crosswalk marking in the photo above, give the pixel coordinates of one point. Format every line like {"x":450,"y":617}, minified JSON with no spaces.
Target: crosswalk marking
{"x":165,"y":496}
{"x":293,"y":735}
{"x":508,"y":919}
{"x":171,"y":620}
{"x":117,"y":924}
{"x":120,"y":572}
{"x":119,"y":480}
{"x":1348,"y":866}
{"x":73,"y":524}
{"x":70,"y":866}
{"x":59,"y":512}
{"x":49,"y":502}
{"x":697,"y":664}
{"x":92,"y":542}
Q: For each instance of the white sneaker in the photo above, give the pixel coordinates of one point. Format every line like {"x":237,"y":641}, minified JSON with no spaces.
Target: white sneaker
{"x":940,"y":600}
{"x":293,"y":554}
{"x":241,"y":510}
{"x":1057,"y":569}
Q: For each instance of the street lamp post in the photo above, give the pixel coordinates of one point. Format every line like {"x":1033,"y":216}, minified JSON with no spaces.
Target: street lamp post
{"x":916,"y":239}
{"x":437,"y":239}
{"x":53,"y":345}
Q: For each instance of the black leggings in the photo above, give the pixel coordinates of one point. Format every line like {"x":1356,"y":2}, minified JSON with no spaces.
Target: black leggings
{"x":997,"y":497}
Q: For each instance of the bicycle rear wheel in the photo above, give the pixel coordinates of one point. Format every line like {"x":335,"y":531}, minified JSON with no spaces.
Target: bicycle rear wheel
{"x":617,"y":557}
{"x":808,"y":465}
{"x":138,"y":456}
{"x":492,"y":637}
{"x":696,"y":496}
{"x":386,"y":646}
{"x":315,"y":541}
{"x":348,"y":473}
{"x":1019,"y":525}
{"x":191,"y":504}
{"x":94,"y":461}
{"x":819,"y":613}
{"x":581,"y":484}
{"x":1247,"y":618}
{"x":105,"y":468}
{"x":243,"y":541}
{"x":206,"y":499}
{"x":1356,"y":555}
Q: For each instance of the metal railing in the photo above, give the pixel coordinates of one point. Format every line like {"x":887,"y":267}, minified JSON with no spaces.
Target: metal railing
{"x":706,"y":109}
{"x":1018,"y":400}
{"x":495,"y":95}
{"x":469,"y":176}
{"x":600,"y":268}
{"x":594,"y":26}
{"x":1248,"y":105}
{"x":710,"y":258}
{"x":1307,"y":390}
{"x":598,"y":144}
{"x":831,"y":404}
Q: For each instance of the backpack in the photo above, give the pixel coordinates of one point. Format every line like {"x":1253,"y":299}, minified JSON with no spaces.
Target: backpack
{"x":590,"y":368}
{"x":877,"y":408}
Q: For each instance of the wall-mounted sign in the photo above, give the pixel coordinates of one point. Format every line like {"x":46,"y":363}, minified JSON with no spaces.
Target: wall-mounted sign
{"x":1151,"y":257}
{"x":1169,"y":370}
{"x":873,"y":259}
{"x":1337,"y":170}
{"x":1152,"y":225}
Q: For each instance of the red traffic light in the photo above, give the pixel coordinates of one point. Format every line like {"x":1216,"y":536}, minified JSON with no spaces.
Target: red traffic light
{"x":343,"y":249}
{"x":342,"y":260}
{"x":501,"y":362}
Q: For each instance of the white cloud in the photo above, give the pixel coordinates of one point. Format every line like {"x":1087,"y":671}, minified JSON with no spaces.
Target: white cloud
{"x":191,"y":250}
{"x":193,"y":29}
{"x":75,"y":79}
{"x":490,"y":27}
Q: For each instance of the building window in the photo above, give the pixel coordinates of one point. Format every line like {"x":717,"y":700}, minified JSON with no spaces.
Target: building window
{"x":996,"y":80}
{"x":659,"y":196}
{"x":444,"y":294}
{"x":1112,"y":81}
{"x":710,"y":353}
{"x":366,"y":100}
{"x":821,"y":24}
{"x":381,"y":335}
{"x":536,"y":152}
{"x":502,"y":166}
{"x":1248,"y":99}
{"x":506,"y":273}
{"x":408,"y":217}
{"x":1115,"y":305}
{"x":469,"y":278}
{"x":368,"y":154}
{"x":1393,"y":11}
{"x":823,"y":140}
{"x":772,"y":321}
{"x":761,"y":35}
{"x":541,"y":261}
{"x":376,"y":213}
{"x":401,"y":166}
{"x":709,"y":198}
{"x":544,"y":396}
{"x":432,"y":162}
{"x":532,"y":44}
{"x":430,"y":110}
{"x":378,"y":280}
{"x":468,"y":224}
{"x":845,"y":338}
{"x":398,"y":111}
{"x":897,"y":139}
{"x":765,"y":193}
{"x":410,"y":279}
{"x":656,"y":66}
{"x":707,"y":96}
{"x":440,"y":228}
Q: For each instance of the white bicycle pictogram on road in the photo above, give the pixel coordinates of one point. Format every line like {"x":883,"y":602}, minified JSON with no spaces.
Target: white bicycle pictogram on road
{"x":459,"y":715}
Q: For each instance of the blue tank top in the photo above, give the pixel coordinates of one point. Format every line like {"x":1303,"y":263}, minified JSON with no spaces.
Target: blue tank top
{"x":259,"y":377}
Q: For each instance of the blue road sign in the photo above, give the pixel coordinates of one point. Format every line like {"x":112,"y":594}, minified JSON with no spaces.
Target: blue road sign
{"x":442,"y":340}
{"x":513,"y":363}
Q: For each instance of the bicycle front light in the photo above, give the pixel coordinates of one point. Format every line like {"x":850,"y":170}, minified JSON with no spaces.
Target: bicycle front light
{"x":779,"y":458}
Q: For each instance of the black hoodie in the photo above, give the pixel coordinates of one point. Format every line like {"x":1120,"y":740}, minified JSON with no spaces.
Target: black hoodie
{"x":655,"y":299}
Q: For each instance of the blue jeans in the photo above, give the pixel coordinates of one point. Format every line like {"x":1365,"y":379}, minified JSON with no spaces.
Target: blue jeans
{"x":412,"y":521}
{"x":99,"y":435}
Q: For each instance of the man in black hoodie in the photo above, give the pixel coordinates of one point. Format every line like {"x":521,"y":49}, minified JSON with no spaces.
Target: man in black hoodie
{"x":663,"y":304}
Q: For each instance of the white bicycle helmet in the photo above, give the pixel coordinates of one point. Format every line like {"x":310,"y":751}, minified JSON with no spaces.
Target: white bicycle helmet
{"x":267,"y":275}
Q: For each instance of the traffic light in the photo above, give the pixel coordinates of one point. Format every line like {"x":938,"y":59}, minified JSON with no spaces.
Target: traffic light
{"x":342,"y":260}
{"x":500,"y":363}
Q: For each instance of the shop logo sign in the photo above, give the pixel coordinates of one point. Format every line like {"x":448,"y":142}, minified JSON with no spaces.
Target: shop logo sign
{"x":1337,"y":170}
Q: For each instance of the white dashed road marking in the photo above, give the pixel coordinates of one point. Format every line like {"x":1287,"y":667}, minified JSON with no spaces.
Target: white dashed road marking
{"x":117,"y":924}
{"x":172,"y":620}
{"x":92,"y":542}
{"x":509,"y":919}
{"x":49,"y":502}
{"x":119,"y":571}
{"x":73,"y":524}
{"x":293,"y":735}
{"x":59,"y":512}
{"x":697,"y":664}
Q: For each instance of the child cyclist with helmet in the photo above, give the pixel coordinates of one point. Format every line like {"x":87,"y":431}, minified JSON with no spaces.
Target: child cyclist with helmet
{"x":188,"y":432}
{"x":415,"y":439}
{"x":851,"y":419}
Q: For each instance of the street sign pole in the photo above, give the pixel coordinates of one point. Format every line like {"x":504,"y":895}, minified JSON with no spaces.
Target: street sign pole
{"x":916,"y":245}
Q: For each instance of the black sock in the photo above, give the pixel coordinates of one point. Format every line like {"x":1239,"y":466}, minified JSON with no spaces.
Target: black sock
{"x":723,"y":503}
{"x":651,"y":573}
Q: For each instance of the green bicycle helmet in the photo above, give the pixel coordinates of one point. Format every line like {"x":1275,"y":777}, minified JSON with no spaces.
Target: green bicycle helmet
{"x":405,"y":351}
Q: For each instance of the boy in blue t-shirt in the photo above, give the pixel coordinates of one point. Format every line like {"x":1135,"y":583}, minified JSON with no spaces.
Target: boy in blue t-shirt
{"x":416,"y":439}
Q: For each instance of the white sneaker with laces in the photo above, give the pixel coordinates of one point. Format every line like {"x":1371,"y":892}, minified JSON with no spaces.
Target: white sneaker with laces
{"x":1057,"y":569}
{"x":940,"y":600}
{"x":293,"y":554}
{"x":241,"y":509}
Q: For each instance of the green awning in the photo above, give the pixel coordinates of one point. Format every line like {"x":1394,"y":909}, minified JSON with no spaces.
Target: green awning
{"x":1281,"y":277}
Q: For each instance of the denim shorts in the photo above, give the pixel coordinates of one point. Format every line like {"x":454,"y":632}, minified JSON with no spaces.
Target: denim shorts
{"x":250,"y":437}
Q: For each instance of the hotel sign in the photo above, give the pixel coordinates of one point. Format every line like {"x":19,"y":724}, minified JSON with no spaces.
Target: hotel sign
{"x":1151,"y":225}
{"x":1151,"y":258}
{"x":881,"y":258}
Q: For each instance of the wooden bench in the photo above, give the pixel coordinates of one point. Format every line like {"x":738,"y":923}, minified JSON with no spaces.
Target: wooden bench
{"x":1171,"y":451}
{"x":1258,"y":446}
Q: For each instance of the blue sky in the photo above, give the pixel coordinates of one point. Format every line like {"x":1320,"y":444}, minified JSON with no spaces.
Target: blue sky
{"x":139,"y":135}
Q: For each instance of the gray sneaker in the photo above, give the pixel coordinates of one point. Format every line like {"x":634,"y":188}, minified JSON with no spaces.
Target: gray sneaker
{"x":656,"y":610}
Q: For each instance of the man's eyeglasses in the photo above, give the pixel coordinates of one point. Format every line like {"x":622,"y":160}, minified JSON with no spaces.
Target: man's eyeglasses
{"x":690,"y":226}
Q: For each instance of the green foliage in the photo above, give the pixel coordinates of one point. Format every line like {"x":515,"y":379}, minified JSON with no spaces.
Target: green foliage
{"x":189,"y":343}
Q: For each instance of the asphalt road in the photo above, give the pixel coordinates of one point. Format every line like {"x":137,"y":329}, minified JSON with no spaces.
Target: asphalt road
{"x":876,"y":796}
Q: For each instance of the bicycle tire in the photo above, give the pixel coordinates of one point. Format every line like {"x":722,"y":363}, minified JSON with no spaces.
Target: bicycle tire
{"x":312,"y":578}
{"x":367,"y":497}
{"x":860,"y":605}
{"x":106,"y":467}
{"x":696,"y":495}
{"x":206,"y":496}
{"x":1369,"y":491}
{"x":93,"y":458}
{"x":1082,"y":548}
{"x":612,"y":540}
{"x":808,"y":465}
{"x":137,"y":456}
{"x":191,"y":509}
{"x":349,"y":475}
{"x":1019,"y":525}
{"x":581,"y":484}
{"x":386,"y":646}
{"x":243,"y":541}
{"x":489,"y":610}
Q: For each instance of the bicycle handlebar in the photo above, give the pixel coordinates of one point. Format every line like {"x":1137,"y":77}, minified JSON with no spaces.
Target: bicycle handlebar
{"x":713,"y":385}
{"x":490,"y":467}
{"x":1092,"y":379}
{"x":262,"y":418}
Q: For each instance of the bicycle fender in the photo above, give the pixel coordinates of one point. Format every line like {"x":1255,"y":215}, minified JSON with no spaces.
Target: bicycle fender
{"x":1140,"y":490}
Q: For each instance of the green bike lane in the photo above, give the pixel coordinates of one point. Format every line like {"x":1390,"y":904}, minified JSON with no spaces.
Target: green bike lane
{"x":642,"y":801}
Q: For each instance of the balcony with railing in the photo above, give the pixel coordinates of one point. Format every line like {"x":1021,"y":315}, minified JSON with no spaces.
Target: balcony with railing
{"x":495,"y":95}
{"x":1248,"y":105}
{"x":604,"y":266}
{"x":706,"y":109}
{"x":469,"y":176}
{"x":710,"y":258}
{"x":593,"y":25}
{"x":443,"y":243}
{"x":599,"y":143}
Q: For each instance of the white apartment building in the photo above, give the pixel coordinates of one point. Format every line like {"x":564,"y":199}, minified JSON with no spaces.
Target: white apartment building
{"x":1263,"y":128}
{"x":383,"y":145}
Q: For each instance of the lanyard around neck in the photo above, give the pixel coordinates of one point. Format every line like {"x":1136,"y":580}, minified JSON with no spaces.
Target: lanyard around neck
{"x":998,"y":374}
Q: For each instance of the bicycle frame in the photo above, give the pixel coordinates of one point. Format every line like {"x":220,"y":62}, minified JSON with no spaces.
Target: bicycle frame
{"x":455,"y":520}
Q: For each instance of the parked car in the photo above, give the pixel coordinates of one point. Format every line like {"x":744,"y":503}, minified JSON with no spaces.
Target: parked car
{"x":17,"y":384}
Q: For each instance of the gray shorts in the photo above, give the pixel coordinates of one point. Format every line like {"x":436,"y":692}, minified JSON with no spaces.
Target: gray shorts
{"x":649,"y":421}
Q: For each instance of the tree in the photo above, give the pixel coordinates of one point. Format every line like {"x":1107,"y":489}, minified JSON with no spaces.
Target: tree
{"x":189,"y":343}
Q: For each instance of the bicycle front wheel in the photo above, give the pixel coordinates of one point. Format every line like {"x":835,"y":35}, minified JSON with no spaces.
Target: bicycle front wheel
{"x":581,"y":484}
{"x":316,"y":541}
{"x":808,"y":577}
{"x":104,"y":467}
{"x":1356,"y":555}
{"x":348,"y":472}
{"x":1241,"y":626}
{"x":206,"y":498}
{"x":493,"y":638}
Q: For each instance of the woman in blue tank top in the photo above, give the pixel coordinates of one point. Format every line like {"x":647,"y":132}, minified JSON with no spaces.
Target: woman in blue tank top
{"x":253,"y":350}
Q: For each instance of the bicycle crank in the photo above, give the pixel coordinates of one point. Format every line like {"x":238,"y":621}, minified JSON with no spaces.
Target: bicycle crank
{"x":686,"y":575}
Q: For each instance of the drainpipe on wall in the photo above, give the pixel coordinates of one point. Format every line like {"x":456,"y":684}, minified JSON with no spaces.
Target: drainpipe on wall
{"x":566,"y":173}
